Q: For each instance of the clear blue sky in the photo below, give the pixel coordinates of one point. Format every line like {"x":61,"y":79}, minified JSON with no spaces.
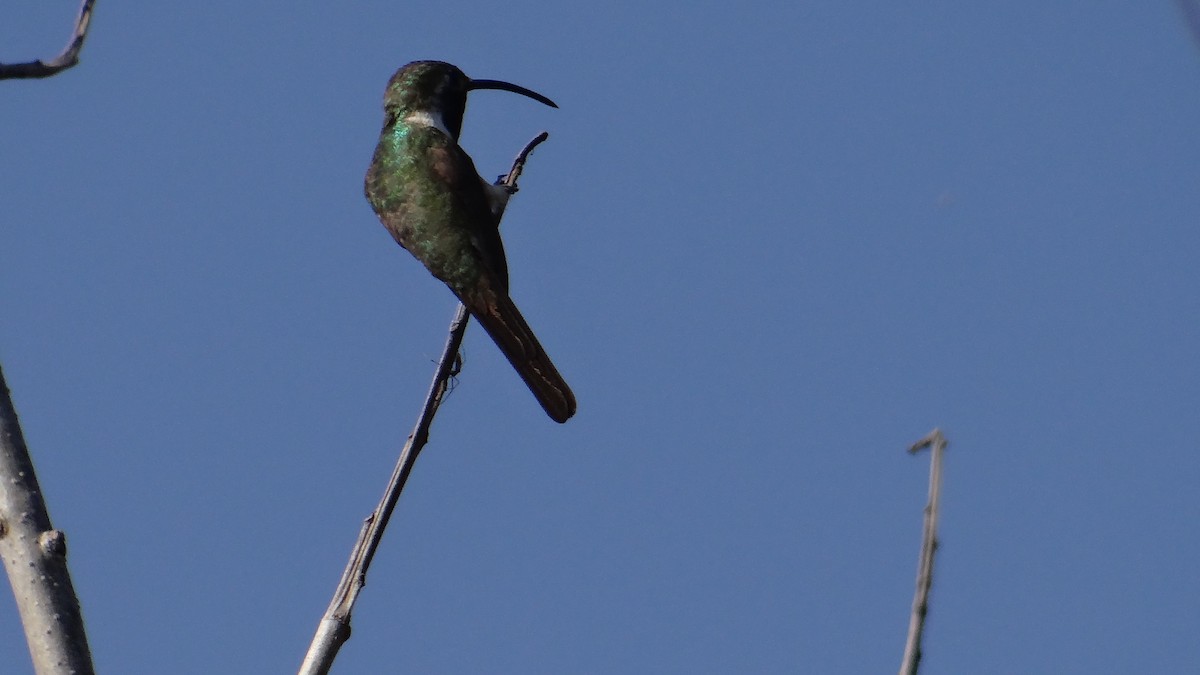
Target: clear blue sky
{"x":768,"y":249}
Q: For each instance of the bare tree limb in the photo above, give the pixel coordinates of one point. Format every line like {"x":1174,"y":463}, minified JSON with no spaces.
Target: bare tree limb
{"x":35,"y":556}
{"x":34,"y":553}
{"x":929,"y":544}
{"x":68,"y":57}
{"x":334,"y":629}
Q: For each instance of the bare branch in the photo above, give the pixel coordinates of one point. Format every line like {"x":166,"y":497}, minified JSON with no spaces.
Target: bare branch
{"x":68,"y":57}
{"x":334,"y":629}
{"x":35,"y":556}
{"x":929,"y":544}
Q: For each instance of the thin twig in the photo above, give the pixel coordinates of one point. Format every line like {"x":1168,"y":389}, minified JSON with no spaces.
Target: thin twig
{"x":68,"y":57}
{"x":929,"y":544}
{"x":518,"y":164}
{"x":35,"y":556}
{"x":334,"y":629}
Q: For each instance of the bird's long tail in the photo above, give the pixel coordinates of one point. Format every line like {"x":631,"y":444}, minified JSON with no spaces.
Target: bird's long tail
{"x":504,"y":323}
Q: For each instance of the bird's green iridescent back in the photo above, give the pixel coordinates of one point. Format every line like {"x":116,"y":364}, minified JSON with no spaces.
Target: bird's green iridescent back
{"x":429,"y":196}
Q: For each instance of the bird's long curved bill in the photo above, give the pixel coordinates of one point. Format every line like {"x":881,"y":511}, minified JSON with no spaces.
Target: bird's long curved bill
{"x":509,"y":86}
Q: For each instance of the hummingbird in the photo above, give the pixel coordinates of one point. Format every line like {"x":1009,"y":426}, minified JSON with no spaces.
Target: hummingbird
{"x":428,"y":195}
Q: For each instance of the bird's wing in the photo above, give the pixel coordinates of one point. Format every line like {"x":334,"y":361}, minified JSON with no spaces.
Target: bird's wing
{"x":455,"y":168}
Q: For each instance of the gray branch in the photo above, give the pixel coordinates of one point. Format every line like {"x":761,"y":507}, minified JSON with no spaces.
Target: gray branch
{"x":35,"y":556}
{"x":334,"y":629}
{"x":929,"y":544}
{"x":68,"y":57}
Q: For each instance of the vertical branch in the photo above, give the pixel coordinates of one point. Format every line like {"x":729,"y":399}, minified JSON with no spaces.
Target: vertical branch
{"x":929,"y":544}
{"x":66,"y":59}
{"x":35,"y":556}
{"x":334,"y":628}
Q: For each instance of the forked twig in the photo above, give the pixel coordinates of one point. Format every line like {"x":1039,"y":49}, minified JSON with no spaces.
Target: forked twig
{"x":334,"y":629}
{"x":929,"y":544}
{"x":66,"y":59}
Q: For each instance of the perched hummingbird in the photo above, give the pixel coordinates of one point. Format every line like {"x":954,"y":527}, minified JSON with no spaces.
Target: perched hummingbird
{"x":427,"y":193}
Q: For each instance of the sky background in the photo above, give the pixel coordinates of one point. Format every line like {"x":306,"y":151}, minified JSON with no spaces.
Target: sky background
{"x":768,"y":247}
